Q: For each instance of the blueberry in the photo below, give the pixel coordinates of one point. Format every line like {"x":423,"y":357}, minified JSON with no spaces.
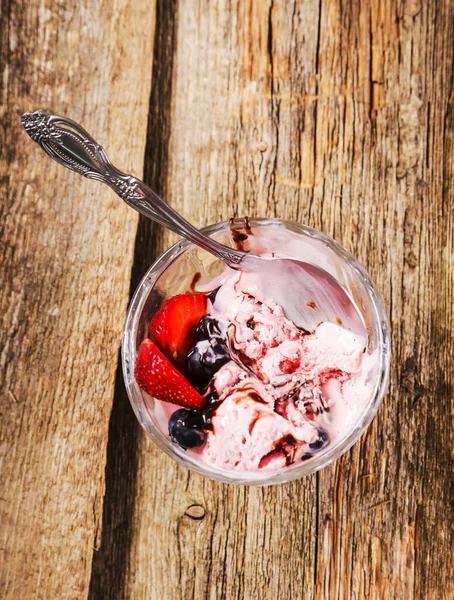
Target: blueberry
{"x":207,"y":328}
{"x":321,"y":442}
{"x":204,"y":360}
{"x":187,"y":428}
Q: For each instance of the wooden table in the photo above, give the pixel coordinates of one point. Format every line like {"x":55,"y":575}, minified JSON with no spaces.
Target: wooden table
{"x":338,"y":114}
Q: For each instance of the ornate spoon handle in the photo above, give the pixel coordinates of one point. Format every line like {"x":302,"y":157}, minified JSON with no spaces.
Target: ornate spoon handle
{"x":70,"y":145}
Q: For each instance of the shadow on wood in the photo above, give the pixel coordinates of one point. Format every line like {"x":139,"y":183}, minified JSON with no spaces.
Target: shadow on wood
{"x":110,"y":562}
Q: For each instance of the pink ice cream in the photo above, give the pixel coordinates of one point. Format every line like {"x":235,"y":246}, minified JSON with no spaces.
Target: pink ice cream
{"x":284,"y":395}
{"x":279,"y":395}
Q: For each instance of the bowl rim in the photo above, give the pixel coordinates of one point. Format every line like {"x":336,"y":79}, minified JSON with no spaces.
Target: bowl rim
{"x":190,"y":460}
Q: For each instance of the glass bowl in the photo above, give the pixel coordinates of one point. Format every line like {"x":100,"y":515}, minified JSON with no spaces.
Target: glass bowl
{"x":177,"y":270}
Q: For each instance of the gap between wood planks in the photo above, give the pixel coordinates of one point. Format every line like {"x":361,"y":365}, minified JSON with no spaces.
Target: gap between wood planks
{"x":110,"y":560}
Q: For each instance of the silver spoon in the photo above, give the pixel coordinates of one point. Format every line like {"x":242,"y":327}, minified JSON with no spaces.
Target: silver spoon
{"x":309,"y":295}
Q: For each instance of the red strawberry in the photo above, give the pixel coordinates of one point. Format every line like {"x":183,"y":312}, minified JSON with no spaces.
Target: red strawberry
{"x":173,"y":327}
{"x":156,"y":375}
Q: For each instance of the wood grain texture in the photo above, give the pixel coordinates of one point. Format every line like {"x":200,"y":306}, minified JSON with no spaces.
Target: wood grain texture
{"x":338,"y":114}
{"x":67,"y":250}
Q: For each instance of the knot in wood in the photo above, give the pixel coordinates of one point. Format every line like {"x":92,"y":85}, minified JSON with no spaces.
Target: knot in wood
{"x":195,"y":511}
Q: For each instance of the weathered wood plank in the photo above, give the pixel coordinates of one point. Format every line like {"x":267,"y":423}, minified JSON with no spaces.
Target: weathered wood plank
{"x":224,"y":127}
{"x":385,"y":523}
{"x":332,"y":114}
{"x":67,"y":249}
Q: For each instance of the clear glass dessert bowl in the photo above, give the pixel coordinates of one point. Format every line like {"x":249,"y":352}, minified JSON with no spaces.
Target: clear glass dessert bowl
{"x":184,"y":264}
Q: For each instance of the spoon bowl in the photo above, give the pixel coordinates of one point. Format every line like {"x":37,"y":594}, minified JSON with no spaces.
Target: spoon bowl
{"x":308,"y":294}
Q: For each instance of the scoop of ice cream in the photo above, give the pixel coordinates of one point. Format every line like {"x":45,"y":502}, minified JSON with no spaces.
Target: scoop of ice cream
{"x":285,"y":394}
{"x":247,"y":430}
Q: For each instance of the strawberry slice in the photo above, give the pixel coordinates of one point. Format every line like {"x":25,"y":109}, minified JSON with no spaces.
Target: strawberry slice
{"x":173,"y":327}
{"x":156,"y":375}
